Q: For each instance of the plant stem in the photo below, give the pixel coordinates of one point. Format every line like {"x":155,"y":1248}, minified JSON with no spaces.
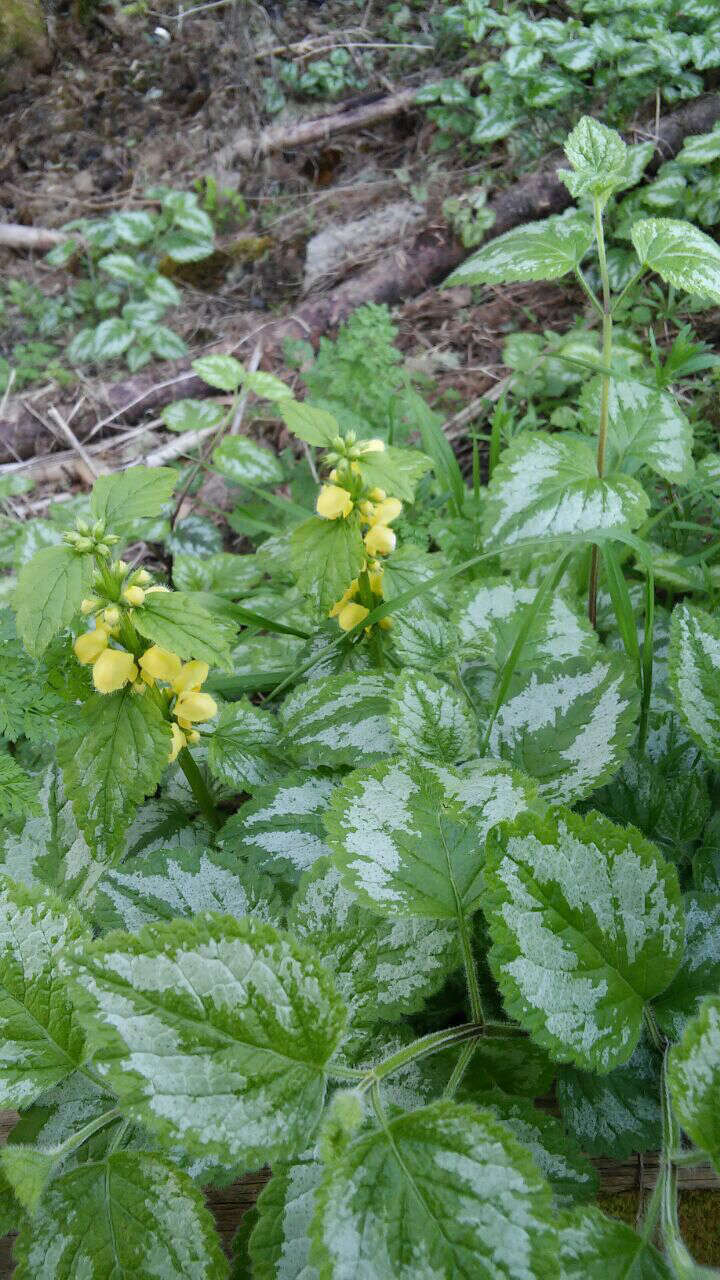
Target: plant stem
{"x":76,"y":1139}
{"x":432,"y":1043}
{"x":461,"y":1066}
{"x":681,"y":1260}
{"x":476,"y":1005}
{"x":199,"y":789}
{"x":604,"y":392}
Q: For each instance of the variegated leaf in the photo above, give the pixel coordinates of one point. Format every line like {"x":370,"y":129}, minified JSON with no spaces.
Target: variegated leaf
{"x":694,"y":1076}
{"x":699,"y":973}
{"x":617,"y":1114}
{"x":556,"y":1155}
{"x":429,"y":718}
{"x":593,"y":1247}
{"x":549,"y":485}
{"x":489,"y":615}
{"x":409,"y":836}
{"x":695,"y":675}
{"x":50,"y":851}
{"x":570,"y":728}
{"x":535,"y":251}
{"x":338,"y":720}
{"x":421,"y":638}
{"x":281,"y":831}
{"x":587,"y":925}
{"x":244,"y":749}
{"x":280,"y":1241}
{"x":646,"y":427}
{"x":680,"y":253}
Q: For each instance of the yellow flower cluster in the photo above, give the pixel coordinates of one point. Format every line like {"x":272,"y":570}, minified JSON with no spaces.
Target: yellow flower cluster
{"x":185,"y":681}
{"x":112,"y":669}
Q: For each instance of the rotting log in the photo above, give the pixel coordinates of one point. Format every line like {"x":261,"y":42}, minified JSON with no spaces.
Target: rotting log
{"x":400,"y":274}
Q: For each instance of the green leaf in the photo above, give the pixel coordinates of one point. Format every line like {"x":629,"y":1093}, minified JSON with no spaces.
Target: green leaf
{"x":694,"y":1078}
{"x":489,"y":615}
{"x":598,"y":157}
{"x":121,"y":266}
{"x":223,"y":573}
{"x":193,"y":415}
{"x":214,"y":1033}
{"x":223,"y":372}
{"x":48,"y":594}
{"x":177,"y":620}
{"x":423,"y":639}
{"x":646,"y":427}
{"x":49,"y":851}
{"x":699,"y":973}
{"x":680,"y":254}
{"x":244,"y":462}
{"x":170,"y":883}
{"x":549,"y":485}
{"x":587,"y":925}
{"x":281,"y":831}
{"x":511,"y":1064}
{"x":41,"y":1041}
{"x":244,"y":749}
{"x":695,"y":675}
{"x":570,"y":728}
{"x":111,"y":338}
{"x":556,"y":1155}
{"x":266,"y":386}
{"x":409,"y":836}
{"x":28,"y":1171}
{"x":309,"y":423}
{"x":430,"y":719}
{"x":280,"y":1244}
{"x":442,"y":1191}
{"x":594,"y":1247}
{"x":382,"y":969}
{"x":397,"y":471}
{"x":326,"y":556}
{"x":111,"y":763}
{"x":536,"y":251}
{"x":126,"y":496}
{"x":614,"y":1115}
{"x":18,"y":791}
{"x":338,"y":720}
{"x":704,"y":148}
{"x":129,"y":1215}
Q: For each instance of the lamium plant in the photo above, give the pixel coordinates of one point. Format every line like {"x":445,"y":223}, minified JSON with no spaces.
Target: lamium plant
{"x":286,"y":887}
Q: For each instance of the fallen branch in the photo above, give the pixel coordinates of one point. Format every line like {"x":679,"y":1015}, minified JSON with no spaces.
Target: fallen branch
{"x":396,"y":276}
{"x":15,"y":236}
{"x":284,"y":137}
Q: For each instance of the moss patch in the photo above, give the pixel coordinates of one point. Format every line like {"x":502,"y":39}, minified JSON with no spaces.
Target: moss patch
{"x":23,"y":33}
{"x":699,"y":1220}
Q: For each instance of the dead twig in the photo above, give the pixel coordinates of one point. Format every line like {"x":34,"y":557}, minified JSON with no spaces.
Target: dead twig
{"x":72,"y":439}
{"x":15,"y":236}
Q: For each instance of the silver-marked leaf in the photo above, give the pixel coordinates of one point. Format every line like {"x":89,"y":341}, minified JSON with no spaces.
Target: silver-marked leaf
{"x":694,"y":1077}
{"x":280,"y":1241}
{"x":429,"y":718}
{"x":695,"y":675}
{"x":699,"y":973}
{"x":489,"y":615}
{"x":214,"y":1032}
{"x":40,"y":1040}
{"x":587,"y":925}
{"x":646,"y":427}
{"x":509,"y":1064}
{"x":549,"y":485}
{"x":223,"y":574}
{"x":338,"y":720}
{"x":139,"y":493}
{"x":281,"y":830}
{"x":244,"y":749}
{"x":383,"y":969}
{"x":224,"y":372}
{"x":179,"y":882}
{"x":193,"y":415}
{"x":599,"y":159}
{"x":129,"y":1215}
{"x":594,"y":1247}
{"x":681,"y":255}
{"x":536,"y":251}
{"x":48,"y":594}
{"x":445,"y":1191}
{"x":617,"y":1114}
{"x":423,"y":639}
{"x":557,"y":1156}
{"x":180,"y":622}
{"x":244,"y":462}
{"x":50,"y":851}
{"x":409,"y":836}
{"x":569,"y":728}
{"x":111,"y":763}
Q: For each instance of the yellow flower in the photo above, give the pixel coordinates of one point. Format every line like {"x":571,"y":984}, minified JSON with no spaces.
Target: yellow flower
{"x":344,"y":599}
{"x":333,"y":502}
{"x":89,"y":646}
{"x":113,"y":670}
{"x":192,"y":737}
{"x":377,"y":495}
{"x":380,"y":541}
{"x":388,"y":510}
{"x":376,"y":582}
{"x":386,"y":623}
{"x":194,"y":706}
{"x":178,"y":742}
{"x":351,"y":615}
{"x":88,"y":606}
{"x":371,"y":446}
{"x":190,"y":677}
{"x":160,"y":664}
{"x":134,"y":595}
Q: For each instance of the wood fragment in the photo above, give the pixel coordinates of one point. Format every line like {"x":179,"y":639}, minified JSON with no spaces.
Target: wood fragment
{"x":42,"y":239}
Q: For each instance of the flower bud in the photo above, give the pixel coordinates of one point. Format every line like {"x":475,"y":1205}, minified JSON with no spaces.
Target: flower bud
{"x":89,"y":646}
{"x":376,"y":582}
{"x":134,"y":595}
{"x":178,"y":742}
{"x":351,"y":615}
{"x":338,"y":443}
{"x":142,"y":578}
{"x":385,"y":623}
{"x":113,"y":670}
{"x":84,"y":544}
{"x":372,"y":446}
{"x":377,"y":495}
{"x":111,"y":615}
{"x":333,"y":502}
{"x":89,"y":605}
{"x":102,"y":549}
{"x":98,"y":529}
{"x":156,"y":588}
{"x":380,"y":541}
{"x":82,"y":526}
{"x":192,"y":737}
{"x":112,"y":539}
{"x":351,"y":437}
{"x":120,"y":567}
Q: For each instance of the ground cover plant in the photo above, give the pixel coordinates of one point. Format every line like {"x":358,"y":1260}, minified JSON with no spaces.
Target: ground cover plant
{"x":346,"y":854}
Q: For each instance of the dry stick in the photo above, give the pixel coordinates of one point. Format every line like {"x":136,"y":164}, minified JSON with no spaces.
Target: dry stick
{"x":15,"y":236}
{"x":73,"y":440}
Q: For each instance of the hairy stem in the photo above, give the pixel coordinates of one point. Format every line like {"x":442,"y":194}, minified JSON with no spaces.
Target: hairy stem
{"x":432,"y":1043}
{"x":678,"y":1254}
{"x":199,"y":789}
{"x":604,"y":391}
